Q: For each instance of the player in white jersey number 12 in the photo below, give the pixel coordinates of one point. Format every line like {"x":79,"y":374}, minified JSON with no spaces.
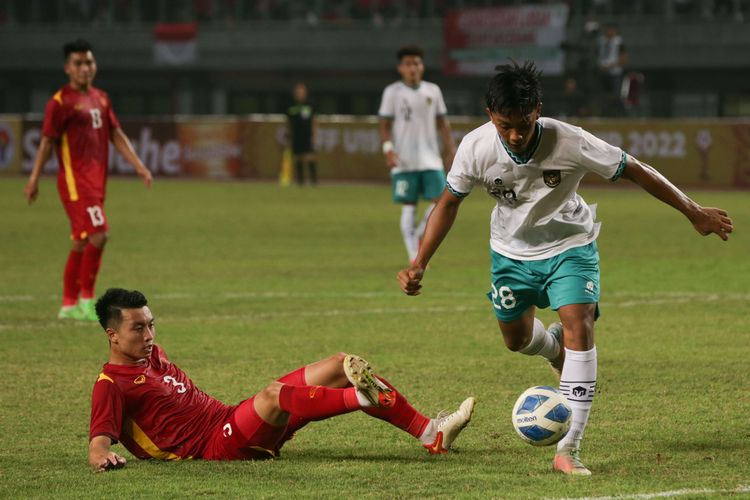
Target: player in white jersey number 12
{"x":412,"y":112}
{"x":543,"y":234}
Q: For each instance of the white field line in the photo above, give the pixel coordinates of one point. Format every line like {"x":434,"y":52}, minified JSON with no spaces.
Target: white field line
{"x":20,"y":298}
{"x":479,"y":305}
{"x":342,"y":312}
{"x":639,"y":298}
{"x":667,"y":494}
{"x":279,"y":314}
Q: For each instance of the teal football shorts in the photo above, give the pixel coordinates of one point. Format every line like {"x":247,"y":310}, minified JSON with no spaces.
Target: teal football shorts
{"x":408,"y":187}
{"x":571,"y":277}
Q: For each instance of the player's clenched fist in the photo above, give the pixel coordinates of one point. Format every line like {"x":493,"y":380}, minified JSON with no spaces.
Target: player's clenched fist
{"x":410,"y":280}
{"x":713,"y":220}
{"x":109,"y":461}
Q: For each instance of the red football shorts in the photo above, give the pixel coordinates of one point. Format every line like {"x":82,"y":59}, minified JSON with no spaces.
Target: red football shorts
{"x":86,"y":217}
{"x":245,"y":436}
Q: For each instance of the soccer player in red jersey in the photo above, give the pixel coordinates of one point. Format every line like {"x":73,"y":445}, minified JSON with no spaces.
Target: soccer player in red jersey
{"x":79,"y":123}
{"x":151,"y":406}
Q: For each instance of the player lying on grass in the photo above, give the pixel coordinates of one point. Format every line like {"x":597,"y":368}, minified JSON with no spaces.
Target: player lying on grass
{"x":543,"y":234}
{"x":147,"y":403}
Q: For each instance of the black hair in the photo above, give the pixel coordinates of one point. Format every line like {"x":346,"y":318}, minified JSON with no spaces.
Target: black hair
{"x":78,"y":45}
{"x":409,"y":50}
{"x":110,"y":305}
{"x":515,"y":88}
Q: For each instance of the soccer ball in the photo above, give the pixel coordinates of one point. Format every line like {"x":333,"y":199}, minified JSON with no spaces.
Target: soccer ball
{"x":541,"y":416}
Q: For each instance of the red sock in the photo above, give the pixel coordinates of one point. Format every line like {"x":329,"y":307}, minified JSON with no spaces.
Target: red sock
{"x":92,"y":259}
{"x":315,"y":402}
{"x":401,"y":414}
{"x":297,"y":377}
{"x":71,"y":283}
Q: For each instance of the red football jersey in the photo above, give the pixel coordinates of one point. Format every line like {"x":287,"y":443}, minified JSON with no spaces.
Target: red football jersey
{"x":154,"y":409}
{"x":82,"y":125}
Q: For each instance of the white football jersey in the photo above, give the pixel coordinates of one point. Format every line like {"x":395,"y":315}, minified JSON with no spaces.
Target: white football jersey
{"x":413,"y":111}
{"x":538,"y":213}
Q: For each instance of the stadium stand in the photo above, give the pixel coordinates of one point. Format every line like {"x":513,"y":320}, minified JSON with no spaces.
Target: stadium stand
{"x":248,"y":53}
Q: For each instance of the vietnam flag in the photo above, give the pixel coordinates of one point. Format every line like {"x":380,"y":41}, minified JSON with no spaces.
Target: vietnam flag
{"x":175,"y":43}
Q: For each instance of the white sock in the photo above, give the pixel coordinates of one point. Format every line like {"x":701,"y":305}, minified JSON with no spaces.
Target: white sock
{"x":429,"y":433}
{"x":408,"y":218}
{"x":422,"y":225}
{"x":363,"y":401}
{"x":542,"y":343}
{"x":578,"y":384}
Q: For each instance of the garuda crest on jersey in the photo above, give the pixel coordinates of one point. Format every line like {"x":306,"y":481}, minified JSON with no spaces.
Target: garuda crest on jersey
{"x":552,"y":178}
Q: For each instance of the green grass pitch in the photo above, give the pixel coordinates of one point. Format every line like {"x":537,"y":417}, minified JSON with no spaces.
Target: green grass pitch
{"x":249,"y":281}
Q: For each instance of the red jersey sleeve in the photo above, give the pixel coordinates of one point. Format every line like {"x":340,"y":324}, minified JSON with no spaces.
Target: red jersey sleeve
{"x":54,"y":119}
{"x":106,"y":409}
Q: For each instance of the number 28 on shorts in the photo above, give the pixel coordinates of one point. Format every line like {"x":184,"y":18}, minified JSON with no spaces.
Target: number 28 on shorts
{"x":503,"y":298}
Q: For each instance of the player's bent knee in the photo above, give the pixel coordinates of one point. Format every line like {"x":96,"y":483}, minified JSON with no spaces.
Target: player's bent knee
{"x":582,"y":323}
{"x":268,"y":407}
{"x":98,"y":239}
{"x":270,"y":394}
{"x":579,"y":327}
{"x":515,"y":337}
{"x":337,"y":364}
{"x":515,"y":343}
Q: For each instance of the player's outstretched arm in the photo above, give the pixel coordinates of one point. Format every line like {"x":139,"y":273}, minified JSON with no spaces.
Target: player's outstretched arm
{"x":125,"y":148}
{"x":440,"y":222}
{"x":705,"y":220}
{"x":31,"y":191}
{"x":101,"y":458}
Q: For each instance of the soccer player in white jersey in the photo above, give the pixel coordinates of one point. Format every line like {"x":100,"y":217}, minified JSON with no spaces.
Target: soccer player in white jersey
{"x":543,"y":233}
{"x":412,"y":112}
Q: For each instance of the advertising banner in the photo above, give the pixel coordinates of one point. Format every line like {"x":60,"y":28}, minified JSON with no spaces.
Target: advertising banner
{"x":10,"y":144}
{"x":345,"y":148}
{"x":155,"y":143}
{"x":210,"y":147}
{"x":478,"y":39}
{"x":691,"y":153}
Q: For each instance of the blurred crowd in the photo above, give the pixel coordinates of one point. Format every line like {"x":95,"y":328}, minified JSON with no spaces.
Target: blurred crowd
{"x":313,"y":12}
{"x":738,"y":10}
{"x":600,"y":82}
